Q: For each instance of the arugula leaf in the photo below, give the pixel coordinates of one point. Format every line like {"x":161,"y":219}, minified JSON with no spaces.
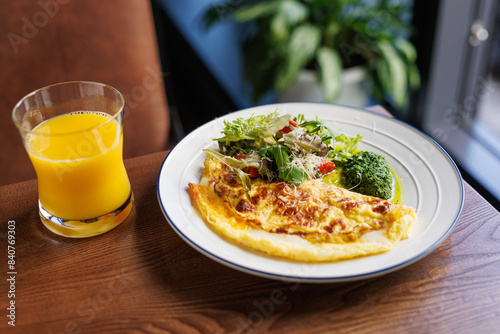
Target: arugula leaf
{"x":320,"y":129}
{"x":286,"y":171}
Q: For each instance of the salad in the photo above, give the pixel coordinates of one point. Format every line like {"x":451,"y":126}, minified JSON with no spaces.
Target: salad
{"x":282,"y":147}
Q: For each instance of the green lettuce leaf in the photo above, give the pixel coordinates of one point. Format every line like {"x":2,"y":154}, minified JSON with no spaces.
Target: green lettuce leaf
{"x":286,"y":171}
{"x":260,"y":128}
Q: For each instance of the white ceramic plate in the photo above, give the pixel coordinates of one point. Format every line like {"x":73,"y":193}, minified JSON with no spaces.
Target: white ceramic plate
{"x":430,"y":179}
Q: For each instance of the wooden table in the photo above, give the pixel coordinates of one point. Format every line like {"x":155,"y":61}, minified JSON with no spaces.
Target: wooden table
{"x":143,"y":278}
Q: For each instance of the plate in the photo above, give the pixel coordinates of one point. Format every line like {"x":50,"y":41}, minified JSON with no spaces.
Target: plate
{"x":430,"y":180}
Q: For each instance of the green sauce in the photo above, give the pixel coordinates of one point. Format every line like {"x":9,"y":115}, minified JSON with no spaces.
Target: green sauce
{"x":335,"y":178}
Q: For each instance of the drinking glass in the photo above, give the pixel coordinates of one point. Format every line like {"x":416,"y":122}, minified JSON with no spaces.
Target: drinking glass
{"x":73,"y":134}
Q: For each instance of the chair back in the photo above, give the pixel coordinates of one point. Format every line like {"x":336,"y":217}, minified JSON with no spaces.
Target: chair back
{"x":51,"y":41}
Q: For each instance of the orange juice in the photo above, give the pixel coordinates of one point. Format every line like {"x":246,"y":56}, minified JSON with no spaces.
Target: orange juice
{"x":79,"y":165}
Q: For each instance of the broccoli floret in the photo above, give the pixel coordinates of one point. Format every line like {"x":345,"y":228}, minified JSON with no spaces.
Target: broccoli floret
{"x":369,"y":174}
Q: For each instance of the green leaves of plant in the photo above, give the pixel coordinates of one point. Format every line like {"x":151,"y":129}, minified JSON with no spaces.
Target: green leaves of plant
{"x":410,"y":55}
{"x":255,"y":11}
{"x":288,"y":13}
{"x":395,"y":69}
{"x":293,"y":11}
{"x":392,"y":73}
{"x":301,"y":48}
{"x":330,"y":71}
{"x":291,"y":35}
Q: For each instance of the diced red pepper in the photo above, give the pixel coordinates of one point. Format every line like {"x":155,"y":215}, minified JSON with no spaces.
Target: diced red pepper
{"x":326,"y":166}
{"x":287,"y":128}
{"x":254,"y":172}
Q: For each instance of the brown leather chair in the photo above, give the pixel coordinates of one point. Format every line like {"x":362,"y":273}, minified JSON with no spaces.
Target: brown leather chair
{"x":50,"y":41}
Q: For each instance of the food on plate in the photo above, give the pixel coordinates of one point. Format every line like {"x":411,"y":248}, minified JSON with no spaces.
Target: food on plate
{"x":264,"y":188}
{"x":369,"y":174}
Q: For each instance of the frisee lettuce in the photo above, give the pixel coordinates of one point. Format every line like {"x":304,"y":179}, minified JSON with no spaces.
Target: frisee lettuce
{"x":256,"y":132}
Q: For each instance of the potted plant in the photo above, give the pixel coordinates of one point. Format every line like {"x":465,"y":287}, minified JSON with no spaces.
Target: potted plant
{"x":286,"y":37}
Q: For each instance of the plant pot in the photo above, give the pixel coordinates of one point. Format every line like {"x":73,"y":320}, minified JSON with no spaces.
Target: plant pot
{"x":308,"y":89}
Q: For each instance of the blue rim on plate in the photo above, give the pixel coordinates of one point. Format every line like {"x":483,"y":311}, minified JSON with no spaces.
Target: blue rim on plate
{"x":428,"y":174}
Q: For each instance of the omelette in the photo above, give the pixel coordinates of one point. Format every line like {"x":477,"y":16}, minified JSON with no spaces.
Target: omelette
{"x":311,"y":222}
{"x":264,"y":189}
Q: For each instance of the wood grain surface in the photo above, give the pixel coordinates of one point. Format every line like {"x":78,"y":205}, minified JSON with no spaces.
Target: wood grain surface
{"x":143,"y":278}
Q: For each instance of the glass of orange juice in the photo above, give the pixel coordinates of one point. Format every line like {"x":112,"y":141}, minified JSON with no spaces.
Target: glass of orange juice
{"x":73,"y":133}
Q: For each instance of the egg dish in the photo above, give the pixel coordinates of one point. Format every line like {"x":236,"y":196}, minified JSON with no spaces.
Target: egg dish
{"x":304,"y":220}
